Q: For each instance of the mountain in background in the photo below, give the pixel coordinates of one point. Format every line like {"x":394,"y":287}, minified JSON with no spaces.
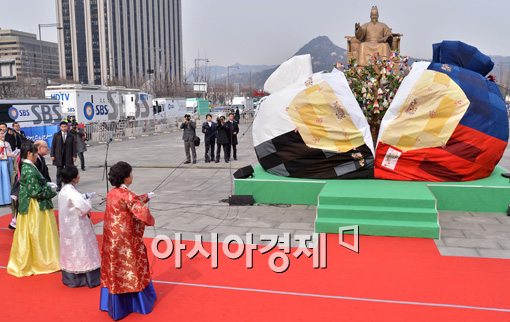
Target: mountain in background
{"x":219,"y":73}
{"x":324,"y":54}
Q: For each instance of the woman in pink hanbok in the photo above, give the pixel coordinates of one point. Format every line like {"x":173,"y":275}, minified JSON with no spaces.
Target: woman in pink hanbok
{"x":79,"y":253}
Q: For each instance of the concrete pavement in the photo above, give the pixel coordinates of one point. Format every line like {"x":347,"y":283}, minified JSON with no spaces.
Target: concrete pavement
{"x":190,"y":199}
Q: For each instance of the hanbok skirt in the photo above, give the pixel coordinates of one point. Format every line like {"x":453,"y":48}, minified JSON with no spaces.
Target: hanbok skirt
{"x":119,"y":306}
{"x":5,"y":182}
{"x":35,"y":246}
{"x":90,"y":279}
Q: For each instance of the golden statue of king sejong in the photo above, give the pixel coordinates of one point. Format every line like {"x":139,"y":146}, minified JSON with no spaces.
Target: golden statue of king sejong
{"x":372,"y":38}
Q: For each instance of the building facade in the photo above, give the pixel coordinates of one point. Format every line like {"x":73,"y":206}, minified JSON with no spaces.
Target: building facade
{"x":104,"y":41}
{"x":32,"y":58}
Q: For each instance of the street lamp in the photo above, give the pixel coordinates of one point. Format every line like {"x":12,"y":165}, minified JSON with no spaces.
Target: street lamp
{"x":152,"y":71}
{"x":197,"y":66}
{"x":228,"y":76}
{"x":45,"y":25}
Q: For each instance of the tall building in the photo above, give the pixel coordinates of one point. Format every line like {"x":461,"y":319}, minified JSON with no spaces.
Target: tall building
{"x":33,"y":58}
{"x":128,"y":40}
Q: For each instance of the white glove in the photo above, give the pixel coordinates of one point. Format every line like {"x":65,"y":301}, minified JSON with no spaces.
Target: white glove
{"x":53,"y":186}
{"x":89,"y":195}
{"x":151,"y":195}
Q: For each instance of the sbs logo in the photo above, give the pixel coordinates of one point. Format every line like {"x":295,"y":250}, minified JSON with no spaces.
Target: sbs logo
{"x":13,"y":113}
{"x":88,"y":111}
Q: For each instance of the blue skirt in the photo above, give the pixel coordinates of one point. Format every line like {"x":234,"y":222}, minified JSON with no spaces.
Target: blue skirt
{"x":119,"y":306}
{"x":5,"y":182}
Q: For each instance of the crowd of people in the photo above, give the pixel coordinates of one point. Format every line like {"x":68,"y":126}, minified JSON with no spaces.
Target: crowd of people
{"x":219,"y":135}
{"x":68,"y":143}
{"x":39,"y":246}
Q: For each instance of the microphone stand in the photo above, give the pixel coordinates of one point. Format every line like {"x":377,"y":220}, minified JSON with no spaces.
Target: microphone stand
{"x":105,"y":173}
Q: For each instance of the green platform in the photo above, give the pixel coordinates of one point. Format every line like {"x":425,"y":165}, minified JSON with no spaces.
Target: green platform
{"x":379,"y":207}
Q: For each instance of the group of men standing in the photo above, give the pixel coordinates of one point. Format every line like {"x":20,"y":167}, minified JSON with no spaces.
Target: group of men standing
{"x":221,"y":134}
{"x":14,"y":136}
{"x":66,"y":146}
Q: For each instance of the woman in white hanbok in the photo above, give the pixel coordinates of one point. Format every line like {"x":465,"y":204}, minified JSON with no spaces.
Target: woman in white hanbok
{"x":79,"y":253}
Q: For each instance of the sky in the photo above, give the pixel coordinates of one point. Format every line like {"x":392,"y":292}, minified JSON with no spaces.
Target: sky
{"x":270,"y":31}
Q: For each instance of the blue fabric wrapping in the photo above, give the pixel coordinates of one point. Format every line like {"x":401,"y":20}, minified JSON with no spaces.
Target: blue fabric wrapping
{"x":487,"y":110}
{"x":463,"y":55}
{"x":119,"y":306}
{"x":5,"y":183}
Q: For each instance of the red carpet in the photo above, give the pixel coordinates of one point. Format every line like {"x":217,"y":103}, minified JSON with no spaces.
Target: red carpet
{"x":395,"y":269}
{"x":96,"y":217}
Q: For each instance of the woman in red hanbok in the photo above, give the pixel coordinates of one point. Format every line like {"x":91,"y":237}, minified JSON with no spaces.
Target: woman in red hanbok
{"x":125,"y":277}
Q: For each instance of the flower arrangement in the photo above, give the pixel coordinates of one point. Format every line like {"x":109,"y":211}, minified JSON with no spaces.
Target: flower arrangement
{"x":374,"y":86}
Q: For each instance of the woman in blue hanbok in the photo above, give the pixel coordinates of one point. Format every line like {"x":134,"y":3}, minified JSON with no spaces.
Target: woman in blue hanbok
{"x":5,"y":170}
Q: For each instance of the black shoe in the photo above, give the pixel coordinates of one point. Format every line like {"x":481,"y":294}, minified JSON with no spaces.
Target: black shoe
{"x":194,"y":161}
{"x":12,"y":227}
{"x":217,"y":161}
{"x":82,"y":169}
{"x":235,"y":158}
{"x":227,"y":161}
{"x":187,"y":162}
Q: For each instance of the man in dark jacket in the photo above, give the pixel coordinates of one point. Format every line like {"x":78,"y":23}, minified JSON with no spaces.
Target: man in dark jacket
{"x":9,"y":135}
{"x":222,"y":140}
{"x":188,"y":136}
{"x":63,"y":151}
{"x":238,"y":115}
{"x":233,"y":128}
{"x":81,"y":146}
{"x":209,"y":130}
{"x":19,"y":135}
{"x":40,"y":163}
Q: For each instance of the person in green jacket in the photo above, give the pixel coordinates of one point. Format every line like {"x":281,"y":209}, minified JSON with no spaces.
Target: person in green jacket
{"x":35,"y":247}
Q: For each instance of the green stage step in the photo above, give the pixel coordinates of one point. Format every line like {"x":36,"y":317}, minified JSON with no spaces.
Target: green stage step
{"x":380,"y":228}
{"x":379,"y":207}
{"x":378,"y":213}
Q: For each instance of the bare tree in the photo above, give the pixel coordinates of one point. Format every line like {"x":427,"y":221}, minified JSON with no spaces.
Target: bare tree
{"x":24,"y":87}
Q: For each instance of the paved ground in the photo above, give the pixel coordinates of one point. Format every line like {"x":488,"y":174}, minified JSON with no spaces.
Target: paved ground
{"x":191,"y":198}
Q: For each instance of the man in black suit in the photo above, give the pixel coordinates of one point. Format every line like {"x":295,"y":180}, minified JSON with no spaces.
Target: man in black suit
{"x":223,"y":140}
{"x":63,"y":151}
{"x":209,"y":130}
{"x":40,"y":163}
{"x":19,"y":135}
{"x":233,"y":128}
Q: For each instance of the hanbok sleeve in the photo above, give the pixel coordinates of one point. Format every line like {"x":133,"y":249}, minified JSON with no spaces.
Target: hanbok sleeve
{"x":137,"y":206}
{"x":37,"y":187}
{"x":84,"y":206}
{"x":8,"y":149}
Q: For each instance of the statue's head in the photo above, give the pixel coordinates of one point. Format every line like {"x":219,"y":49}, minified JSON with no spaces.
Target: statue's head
{"x":374,"y":14}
